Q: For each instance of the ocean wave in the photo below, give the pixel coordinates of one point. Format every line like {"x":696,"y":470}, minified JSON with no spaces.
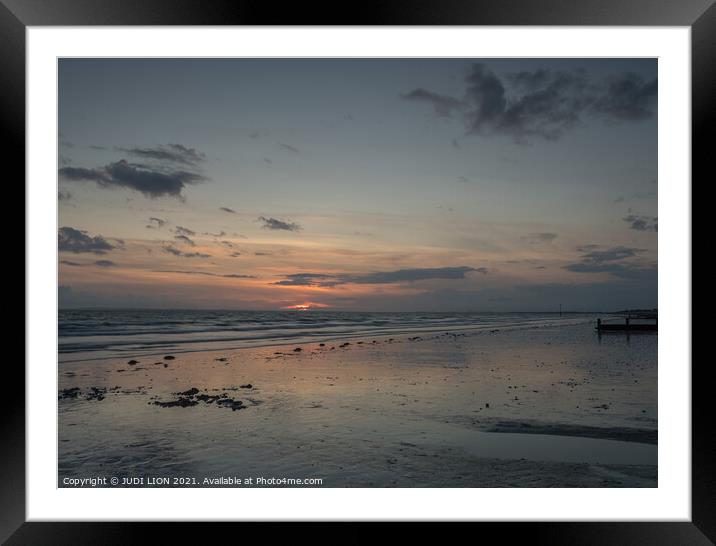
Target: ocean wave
{"x":87,"y":334}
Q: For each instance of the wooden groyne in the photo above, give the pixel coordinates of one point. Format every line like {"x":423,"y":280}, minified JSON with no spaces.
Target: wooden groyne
{"x":630,"y":324}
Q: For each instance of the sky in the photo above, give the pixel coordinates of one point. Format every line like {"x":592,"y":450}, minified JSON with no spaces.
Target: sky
{"x":358,"y":184}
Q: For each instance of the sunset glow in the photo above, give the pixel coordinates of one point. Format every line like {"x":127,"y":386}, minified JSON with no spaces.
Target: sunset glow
{"x":369,"y":190}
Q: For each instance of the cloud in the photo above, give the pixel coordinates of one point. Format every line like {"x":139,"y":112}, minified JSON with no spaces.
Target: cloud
{"x":105,"y":263}
{"x":206,"y":273}
{"x":290,"y":148}
{"x":176,"y":252}
{"x":171,"y":153}
{"x":149,"y":181}
{"x":615,"y":261}
{"x":275,"y":224}
{"x":610,"y":254}
{"x":628,"y":97}
{"x":325,"y":280}
{"x":412,"y":275}
{"x":309,"y":279}
{"x":642,"y":223}
{"x":184,"y":239}
{"x":155,"y":223}
{"x":442,"y":104}
{"x":73,"y":264}
{"x":227,"y":209}
{"x":179,"y":230}
{"x":541,"y":103}
{"x":77,"y":241}
{"x":64,"y":195}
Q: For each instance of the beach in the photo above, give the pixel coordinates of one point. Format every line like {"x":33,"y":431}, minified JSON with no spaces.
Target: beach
{"x":527,"y":406}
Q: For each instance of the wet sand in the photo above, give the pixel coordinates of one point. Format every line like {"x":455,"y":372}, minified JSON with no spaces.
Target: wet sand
{"x":530,"y":407}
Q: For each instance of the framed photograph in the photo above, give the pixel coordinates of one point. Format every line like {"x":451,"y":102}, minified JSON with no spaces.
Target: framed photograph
{"x":405,"y":266}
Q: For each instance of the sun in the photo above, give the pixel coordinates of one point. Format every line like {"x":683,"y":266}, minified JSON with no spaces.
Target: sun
{"x":306,"y":306}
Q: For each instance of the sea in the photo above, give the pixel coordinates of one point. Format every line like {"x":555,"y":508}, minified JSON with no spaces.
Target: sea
{"x":96,"y":334}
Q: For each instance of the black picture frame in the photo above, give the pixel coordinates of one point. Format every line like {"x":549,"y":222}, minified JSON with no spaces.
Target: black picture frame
{"x":16,"y":15}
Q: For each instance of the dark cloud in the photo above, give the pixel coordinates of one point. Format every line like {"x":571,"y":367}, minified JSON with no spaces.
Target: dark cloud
{"x":642,"y":223}
{"x":609,"y":255}
{"x":275,"y":224}
{"x":541,"y":103}
{"x":207,"y":273}
{"x":105,"y":263}
{"x":73,"y":264}
{"x":156,"y":223}
{"x":628,"y":97}
{"x":309,"y":279}
{"x":443,"y":105}
{"x":150,"y":181}
{"x":290,"y":148}
{"x":382,"y":277}
{"x":617,"y":261}
{"x":176,"y":252}
{"x":411,"y":275}
{"x":227,"y":209}
{"x":179,"y":230}
{"x":171,"y":153}
{"x":184,"y":239}
{"x":77,"y":241}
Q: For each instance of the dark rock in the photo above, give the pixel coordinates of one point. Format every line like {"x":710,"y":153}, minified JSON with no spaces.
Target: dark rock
{"x":247,"y":386}
{"x":133,"y":362}
{"x":169,"y":357}
{"x":209,"y":399}
{"x":222,"y":359}
{"x":180,"y":403}
{"x":297,"y":350}
{"x":230,"y":403}
{"x":321,"y":344}
{"x":190,"y":392}
{"x":166,"y":365}
{"x":96,"y":393}
{"x":72,"y":392}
